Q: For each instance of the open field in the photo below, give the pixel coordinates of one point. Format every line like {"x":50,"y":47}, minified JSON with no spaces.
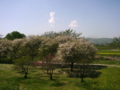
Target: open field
{"x":10,"y":79}
{"x":110,"y":54}
{"x":110,"y":62}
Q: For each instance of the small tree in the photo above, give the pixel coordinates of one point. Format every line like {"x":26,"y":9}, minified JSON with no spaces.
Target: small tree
{"x":48,"y":50}
{"x":27,"y":53}
{"x":23,"y":63}
{"x":49,"y":64}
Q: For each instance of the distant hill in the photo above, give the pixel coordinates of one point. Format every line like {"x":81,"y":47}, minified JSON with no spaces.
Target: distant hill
{"x":100,"y":40}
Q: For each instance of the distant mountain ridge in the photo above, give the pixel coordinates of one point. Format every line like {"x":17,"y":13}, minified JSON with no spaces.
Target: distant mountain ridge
{"x":100,"y":40}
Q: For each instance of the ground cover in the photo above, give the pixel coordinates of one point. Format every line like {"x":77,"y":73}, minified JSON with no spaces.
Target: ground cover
{"x":10,"y":79}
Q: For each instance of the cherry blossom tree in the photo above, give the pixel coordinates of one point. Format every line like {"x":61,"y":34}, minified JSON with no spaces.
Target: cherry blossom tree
{"x":48,"y":46}
{"x":5,"y":47}
{"x":76,"y":50}
{"x":27,"y":53}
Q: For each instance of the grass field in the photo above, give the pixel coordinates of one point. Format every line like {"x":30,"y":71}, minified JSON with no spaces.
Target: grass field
{"x":10,"y":79}
{"x":113,"y":54}
{"x":110,"y":62}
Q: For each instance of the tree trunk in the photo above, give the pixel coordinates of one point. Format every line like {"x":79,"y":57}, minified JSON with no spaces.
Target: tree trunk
{"x":82,"y":74}
{"x":25,"y":76}
{"x":51,"y":76}
{"x":47,"y":71}
{"x":26,"y":72}
{"x":72,"y":64}
{"x":82,"y":78}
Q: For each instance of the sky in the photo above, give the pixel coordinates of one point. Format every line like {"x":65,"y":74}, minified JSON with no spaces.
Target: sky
{"x":92,"y":18}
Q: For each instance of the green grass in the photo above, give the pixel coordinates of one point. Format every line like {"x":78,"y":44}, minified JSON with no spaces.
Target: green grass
{"x":110,"y":62}
{"x":10,"y":79}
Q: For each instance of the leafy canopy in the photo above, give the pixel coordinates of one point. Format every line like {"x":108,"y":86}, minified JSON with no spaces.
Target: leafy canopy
{"x":14,"y":35}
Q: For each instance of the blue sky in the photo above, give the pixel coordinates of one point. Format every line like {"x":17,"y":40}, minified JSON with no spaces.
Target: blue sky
{"x":92,"y":18}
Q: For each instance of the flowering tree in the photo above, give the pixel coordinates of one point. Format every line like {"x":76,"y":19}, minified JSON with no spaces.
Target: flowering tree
{"x":76,"y":51}
{"x":14,"y":48}
{"x":5,"y":47}
{"x":48,"y":46}
{"x":32,"y":45}
{"x":27,"y":53}
{"x":48,"y":50}
{"x":49,"y":64}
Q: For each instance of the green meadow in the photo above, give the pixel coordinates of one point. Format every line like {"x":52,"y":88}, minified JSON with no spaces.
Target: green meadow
{"x":109,"y":79}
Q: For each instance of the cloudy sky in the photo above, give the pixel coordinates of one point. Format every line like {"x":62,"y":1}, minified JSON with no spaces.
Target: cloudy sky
{"x":92,"y":18}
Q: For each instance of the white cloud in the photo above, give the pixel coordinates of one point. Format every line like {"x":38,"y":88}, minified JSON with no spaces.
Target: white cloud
{"x":73,"y":24}
{"x":52,"y":19}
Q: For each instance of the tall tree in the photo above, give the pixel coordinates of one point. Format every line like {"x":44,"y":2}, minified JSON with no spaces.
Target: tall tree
{"x":14,"y":35}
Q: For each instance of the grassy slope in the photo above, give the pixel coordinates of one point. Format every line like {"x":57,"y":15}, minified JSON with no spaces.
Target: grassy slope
{"x":12,"y":80}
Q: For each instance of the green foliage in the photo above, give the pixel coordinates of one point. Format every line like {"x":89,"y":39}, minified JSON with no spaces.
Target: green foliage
{"x":14,"y":35}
